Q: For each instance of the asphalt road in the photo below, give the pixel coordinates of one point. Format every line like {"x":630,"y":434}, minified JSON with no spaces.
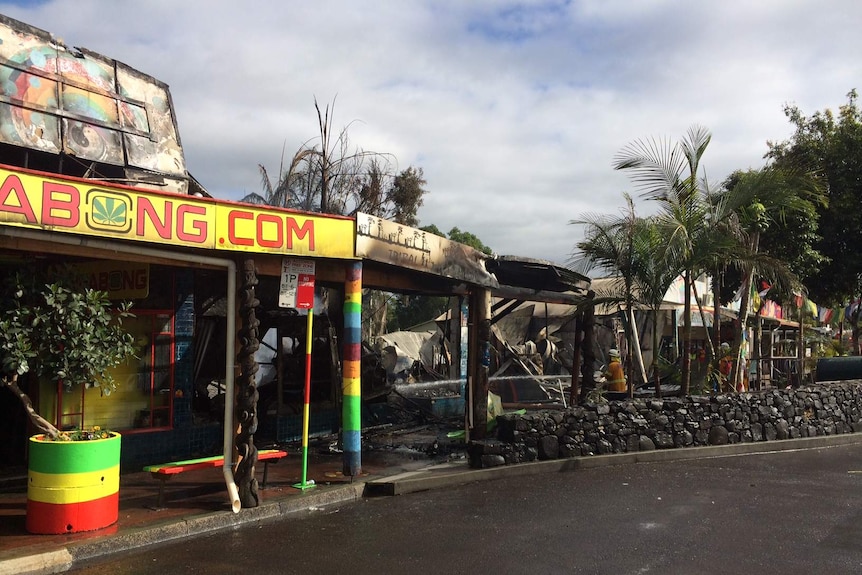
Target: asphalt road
{"x":788,"y":512}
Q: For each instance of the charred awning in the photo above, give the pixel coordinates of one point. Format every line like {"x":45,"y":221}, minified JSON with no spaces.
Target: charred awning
{"x":537,"y":280}
{"x":398,"y":245}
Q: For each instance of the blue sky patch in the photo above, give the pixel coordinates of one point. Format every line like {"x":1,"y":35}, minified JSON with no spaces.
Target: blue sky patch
{"x":518,"y":23}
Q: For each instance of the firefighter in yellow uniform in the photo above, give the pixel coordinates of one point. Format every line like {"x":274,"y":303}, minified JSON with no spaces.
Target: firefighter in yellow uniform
{"x":614,"y":377}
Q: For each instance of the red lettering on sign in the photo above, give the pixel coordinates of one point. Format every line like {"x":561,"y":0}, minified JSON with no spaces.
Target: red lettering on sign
{"x":293,"y":229}
{"x":262,"y":241}
{"x":60,"y":205}
{"x":199,"y":225}
{"x":13,"y":184}
{"x":147,"y":212}
{"x":231,"y":228}
{"x":270,"y":231}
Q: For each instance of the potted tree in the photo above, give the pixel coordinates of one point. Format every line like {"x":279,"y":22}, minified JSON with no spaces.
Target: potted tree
{"x":71,"y":336}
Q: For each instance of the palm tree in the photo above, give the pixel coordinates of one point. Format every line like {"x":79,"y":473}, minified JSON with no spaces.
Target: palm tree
{"x":607,"y":246}
{"x":284,"y":193}
{"x":668,"y":173}
{"x":636,"y":250}
{"x":654,"y":272}
{"x":756,"y":198}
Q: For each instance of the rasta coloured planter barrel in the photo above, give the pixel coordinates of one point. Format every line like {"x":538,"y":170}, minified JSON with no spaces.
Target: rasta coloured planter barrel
{"x":73,"y":486}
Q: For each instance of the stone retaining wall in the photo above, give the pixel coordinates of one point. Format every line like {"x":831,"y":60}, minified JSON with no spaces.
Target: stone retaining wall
{"x":645,"y":424}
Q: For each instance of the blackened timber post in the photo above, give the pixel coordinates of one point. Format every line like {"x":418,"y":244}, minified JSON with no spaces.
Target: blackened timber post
{"x":574,"y":391}
{"x":588,"y":348}
{"x":246,"y":386}
{"x":479,"y":359}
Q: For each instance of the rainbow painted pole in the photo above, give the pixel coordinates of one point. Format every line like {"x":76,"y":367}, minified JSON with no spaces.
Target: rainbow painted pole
{"x":73,"y":486}
{"x":305,"y":484}
{"x":351,"y":409}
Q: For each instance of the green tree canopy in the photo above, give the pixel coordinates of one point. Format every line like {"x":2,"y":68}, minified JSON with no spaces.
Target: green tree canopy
{"x":469,"y":239}
{"x":831,"y":146}
{"x":405,"y":196}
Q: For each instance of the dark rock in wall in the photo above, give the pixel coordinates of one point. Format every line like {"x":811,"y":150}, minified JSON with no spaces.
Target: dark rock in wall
{"x":642,"y":425}
{"x":718,"y":435}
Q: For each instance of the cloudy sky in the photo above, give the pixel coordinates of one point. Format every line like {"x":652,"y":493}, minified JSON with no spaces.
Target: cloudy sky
{"x":514,"y":110}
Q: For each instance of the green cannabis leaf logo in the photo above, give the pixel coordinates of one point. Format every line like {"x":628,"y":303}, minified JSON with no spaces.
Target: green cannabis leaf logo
{"x":109,"y":211}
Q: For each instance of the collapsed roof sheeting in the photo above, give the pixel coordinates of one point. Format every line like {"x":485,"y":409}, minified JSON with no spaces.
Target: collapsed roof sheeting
{"x":537,"y":280}
{"x":514,"y":327}
{"x":399,"y":350}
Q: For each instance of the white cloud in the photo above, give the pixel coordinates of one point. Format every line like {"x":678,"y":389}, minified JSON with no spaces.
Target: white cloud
{"x":514,"y":110}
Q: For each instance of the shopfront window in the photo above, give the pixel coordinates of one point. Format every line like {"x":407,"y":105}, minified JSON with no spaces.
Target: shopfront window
{"x":143,"y":398}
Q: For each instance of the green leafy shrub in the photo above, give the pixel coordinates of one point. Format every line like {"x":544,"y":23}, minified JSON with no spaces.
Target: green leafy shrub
{"x":60,"y":333}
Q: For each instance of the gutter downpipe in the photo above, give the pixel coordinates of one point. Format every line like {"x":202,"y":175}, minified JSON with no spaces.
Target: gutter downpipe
{"x":230,"y":335}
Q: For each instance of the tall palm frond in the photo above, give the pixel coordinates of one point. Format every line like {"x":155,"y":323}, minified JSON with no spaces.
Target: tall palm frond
{"x":656,"y":269}
{"x":759,"y":197}
{"x":668,"y":173}
{"x":608,"y":245}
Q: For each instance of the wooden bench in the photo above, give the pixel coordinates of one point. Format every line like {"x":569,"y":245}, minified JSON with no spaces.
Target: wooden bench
{"x":165,"y":471}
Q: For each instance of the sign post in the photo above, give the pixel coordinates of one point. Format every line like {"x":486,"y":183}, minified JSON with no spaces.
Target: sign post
{"x":297,"y":291}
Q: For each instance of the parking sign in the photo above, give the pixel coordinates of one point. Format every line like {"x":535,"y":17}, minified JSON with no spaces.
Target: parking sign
{"x":296,"y":289}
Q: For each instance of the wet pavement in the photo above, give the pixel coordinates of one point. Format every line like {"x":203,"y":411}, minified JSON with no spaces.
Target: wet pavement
{"x":196,"y":502}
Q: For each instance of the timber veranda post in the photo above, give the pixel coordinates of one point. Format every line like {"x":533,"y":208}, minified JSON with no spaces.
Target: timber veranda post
{"x":479,"y":359}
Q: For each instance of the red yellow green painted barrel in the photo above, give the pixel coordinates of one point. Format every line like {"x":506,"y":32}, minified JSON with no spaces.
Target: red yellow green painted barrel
{"x":73,"y":486}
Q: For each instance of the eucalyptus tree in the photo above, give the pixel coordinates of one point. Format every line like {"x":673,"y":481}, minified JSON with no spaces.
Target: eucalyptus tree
{"x":668,"y":174}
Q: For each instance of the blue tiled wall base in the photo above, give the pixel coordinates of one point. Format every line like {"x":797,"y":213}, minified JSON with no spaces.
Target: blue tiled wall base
{"x":288,"y":428}
{"x":140,"y":449}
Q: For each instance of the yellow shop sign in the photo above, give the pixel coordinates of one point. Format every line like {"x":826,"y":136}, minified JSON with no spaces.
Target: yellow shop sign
{"x":91,"y":208}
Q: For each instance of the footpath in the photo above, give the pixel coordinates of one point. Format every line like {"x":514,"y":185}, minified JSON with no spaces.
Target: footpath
{"x":196,"y":502}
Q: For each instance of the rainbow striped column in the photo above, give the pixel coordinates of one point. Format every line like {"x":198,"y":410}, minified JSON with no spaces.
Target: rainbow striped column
{"x":351,"y":410}
{"x":73,"y":486}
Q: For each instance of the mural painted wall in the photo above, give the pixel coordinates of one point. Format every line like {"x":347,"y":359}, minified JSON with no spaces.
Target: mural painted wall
{"x":58,"y":99}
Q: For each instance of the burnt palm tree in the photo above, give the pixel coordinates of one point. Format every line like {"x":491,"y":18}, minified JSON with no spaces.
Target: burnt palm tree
{"x":286,"y":192}
{"x":328,"y":175}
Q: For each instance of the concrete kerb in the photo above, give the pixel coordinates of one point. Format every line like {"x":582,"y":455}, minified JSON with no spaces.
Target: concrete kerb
{"x":423,"y":480}
{"x":53,"y":560}
{"x":215,"y":521}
